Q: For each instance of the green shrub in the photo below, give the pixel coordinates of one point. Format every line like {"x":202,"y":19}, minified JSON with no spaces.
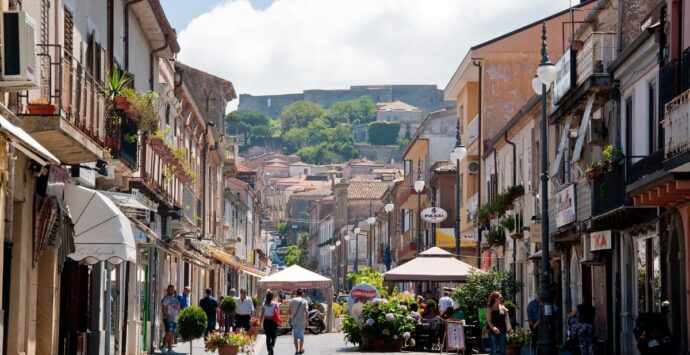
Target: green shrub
{"x":255,"y":302}
{"x":228,"y":305}
{"x":430,"y":304}
{"x":191,"y":323}
{"x":383,"y":133}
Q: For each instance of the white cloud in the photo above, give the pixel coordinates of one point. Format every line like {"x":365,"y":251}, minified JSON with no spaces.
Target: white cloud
{"x":295,"y":45}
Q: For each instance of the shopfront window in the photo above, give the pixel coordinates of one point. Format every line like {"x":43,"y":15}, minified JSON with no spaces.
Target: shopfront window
{"x":648,"y":275}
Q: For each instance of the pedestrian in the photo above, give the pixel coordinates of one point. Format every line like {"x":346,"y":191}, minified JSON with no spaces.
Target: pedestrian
{"x":269,"y":318}
{"x":533,"y":318}
{"x":230,"y":317}
{"x":298,"y":320}
{"x":445,"y":302}
{"x":420,"y":304}
{"x":184,"y":297}
{"x":210,"y":306}
{"x":244,"y":311}
{"x":583,"y":330}
{"x":171,"y":309}
{"x":499,"y":323}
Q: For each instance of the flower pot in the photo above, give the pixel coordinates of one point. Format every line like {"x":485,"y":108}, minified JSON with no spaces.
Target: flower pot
{"x":42,"y":109}
{"x":513,"y":349}
{"x":229,"y":350}
{"x":593,"y":174}
{"x":121,"y":102}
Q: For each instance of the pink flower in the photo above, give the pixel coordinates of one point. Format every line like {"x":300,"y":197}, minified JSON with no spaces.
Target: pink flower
{"x":390,"y":317}
{"x":407,"y":335}
{"x":370,"y":322}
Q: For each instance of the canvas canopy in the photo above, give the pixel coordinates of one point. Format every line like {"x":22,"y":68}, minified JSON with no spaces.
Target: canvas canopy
{"x":434,"y":264}
{"x":295,"y":277}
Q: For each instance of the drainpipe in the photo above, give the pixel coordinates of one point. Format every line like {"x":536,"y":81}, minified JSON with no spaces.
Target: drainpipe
{"x":151,"y":56}
{"x":126,"y":25}
{"x":111,"y":35}
{"x":9,"y":218}
{"x":505,"y":137}
{"x":478,"y":64}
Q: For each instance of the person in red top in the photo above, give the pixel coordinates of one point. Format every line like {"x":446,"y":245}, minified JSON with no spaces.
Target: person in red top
{"x":421,"y":304}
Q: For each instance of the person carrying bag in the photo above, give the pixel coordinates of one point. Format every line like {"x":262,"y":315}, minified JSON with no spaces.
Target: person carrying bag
{"x":270,"y":318}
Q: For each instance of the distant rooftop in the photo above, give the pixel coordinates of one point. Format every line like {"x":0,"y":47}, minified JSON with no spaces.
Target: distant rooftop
{"x":366,"y":190}
{"x":397,"y":106}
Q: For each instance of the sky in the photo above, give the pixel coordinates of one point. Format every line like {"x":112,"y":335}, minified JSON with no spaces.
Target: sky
{"x":287,"y":46}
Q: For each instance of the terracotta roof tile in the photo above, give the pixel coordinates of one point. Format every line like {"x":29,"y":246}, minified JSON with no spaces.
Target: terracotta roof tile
{"x":396,"y":106}
{"x":366,"y":190}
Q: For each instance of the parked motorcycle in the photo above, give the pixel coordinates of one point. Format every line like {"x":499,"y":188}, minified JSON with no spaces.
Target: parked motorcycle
{"x":315,"y":322}
{"x":652,"y":334}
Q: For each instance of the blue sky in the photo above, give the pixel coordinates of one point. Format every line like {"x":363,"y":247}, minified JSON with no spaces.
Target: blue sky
{"x":181,"y":12}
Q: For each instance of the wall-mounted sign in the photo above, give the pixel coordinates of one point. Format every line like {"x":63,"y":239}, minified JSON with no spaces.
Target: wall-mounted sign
{"x":445,"y":238}
{"x":535,"y":233}
{"x":564,"y":203}
{"x":359,"y":296}
{"x":565,"y":75}
{"x":600,"y":241}
{"x":434,"y":214}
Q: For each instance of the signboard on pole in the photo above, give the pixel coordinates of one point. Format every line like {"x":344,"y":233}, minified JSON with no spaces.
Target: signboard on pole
{"x":434,"y":214}
{"x":535,"y":233}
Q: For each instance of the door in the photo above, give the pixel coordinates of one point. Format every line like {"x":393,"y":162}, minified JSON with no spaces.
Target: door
{"x":676,"y":261}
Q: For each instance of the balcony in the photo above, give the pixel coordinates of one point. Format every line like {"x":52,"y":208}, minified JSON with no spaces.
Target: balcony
{"x":472,"y":204}
{"x":593,"y":58}
{"x":121,"y":137}
{"x":608,"y":192}
{"x":472,"y":131}
{"x":72,"y":122}
{"x":676,"y":125}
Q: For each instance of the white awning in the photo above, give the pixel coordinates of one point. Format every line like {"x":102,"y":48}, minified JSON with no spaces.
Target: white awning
{"x":26,"y":144}
{"x":101,"y":231}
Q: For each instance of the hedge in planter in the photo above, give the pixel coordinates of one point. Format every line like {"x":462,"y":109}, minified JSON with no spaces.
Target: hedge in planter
{"x":228,"y":305}
{"x":191,"y":323}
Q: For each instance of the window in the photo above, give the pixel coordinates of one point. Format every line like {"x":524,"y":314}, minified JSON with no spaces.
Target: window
{"x":655,"y":130}
{"x":167,"y":117}
{"x":268,"y":102}
{"x":628,"y":126}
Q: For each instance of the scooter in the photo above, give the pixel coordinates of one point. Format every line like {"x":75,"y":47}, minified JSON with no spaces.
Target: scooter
{"x":652,"y":334}
{"x":315,"y":322}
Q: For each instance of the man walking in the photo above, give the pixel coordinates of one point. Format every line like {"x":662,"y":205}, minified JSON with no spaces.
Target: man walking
{"x":210,"y":305}
{"x":533,"y":318}
{"x":171,"y":308}
{"x":184,"y":297}
{"x":244,"y":311}
{"x":445,"y":302}
{"x":298,"y":320}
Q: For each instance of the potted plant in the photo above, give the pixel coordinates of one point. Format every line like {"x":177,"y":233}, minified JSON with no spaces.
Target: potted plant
{"x":191,"y":324}
{"x":612,"y":156}
{"x":381,"y":326}
{"x":41,"y":108}
{"x":593,"y":170}
{"x":117,"y":81}
{"x":228,"y":305}
{"x":228,"y":344}
{"x":497,"y":236}
{"x":516,"y":191}
{"x":516,"y":340}
{"x":255,"y":327}
{"x":508,"y":222}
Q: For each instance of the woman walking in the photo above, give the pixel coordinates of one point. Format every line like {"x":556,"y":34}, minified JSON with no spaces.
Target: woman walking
{"x":269,"y":317}
{"x":499,"y":323}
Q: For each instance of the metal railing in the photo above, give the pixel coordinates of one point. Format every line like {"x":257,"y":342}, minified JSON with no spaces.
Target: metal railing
{"x":607,"y":190}
{"x":676,"y":125}
{"x":597,"y":52}
{"x":82,"y":100}
{"x":639,"y":167}
{"x":669,"y":84}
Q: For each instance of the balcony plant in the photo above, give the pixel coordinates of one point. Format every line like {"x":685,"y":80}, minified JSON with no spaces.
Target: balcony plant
{"x":594,"y":169}
{"x":117,"y":81}
{"x":497,"y":236}
{"x":612,"y":156}
{"x":41,"y":108}
{"x":145,"y":108}
{"x":229,"y":344}
{"x":508,"y":222}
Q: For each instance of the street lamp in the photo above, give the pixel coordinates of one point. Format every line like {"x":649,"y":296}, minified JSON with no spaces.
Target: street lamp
{"x":387,"y":254}
{"x":370,"y":221}
{"x":419,"y":187}
{"x":545,"y":76}
{"x":457,"y":155}
{"x":357,"y":230}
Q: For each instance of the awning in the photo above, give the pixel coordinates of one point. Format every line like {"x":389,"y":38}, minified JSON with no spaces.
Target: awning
{"x":26,"y":144}
{"x":101,"y":231}
{"x":434,"y":264}
{"x":231,"y":260}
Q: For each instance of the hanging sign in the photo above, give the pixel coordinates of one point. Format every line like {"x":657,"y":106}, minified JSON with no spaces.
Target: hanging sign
{"x":565,"y":206}
{"x":359,"y":296}
{"x":600,"y":240}
{"x":535,"y":233}
{"x":434,"y":214}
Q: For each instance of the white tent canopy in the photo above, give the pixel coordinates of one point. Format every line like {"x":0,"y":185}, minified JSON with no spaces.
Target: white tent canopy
{"x":101,"y":231}
{"x":295,"y":277}
{"x":433,"y":264}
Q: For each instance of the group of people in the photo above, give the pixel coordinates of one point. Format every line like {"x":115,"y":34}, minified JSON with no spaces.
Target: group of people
{"x":173,"y":303}
{"x":270,"y":318}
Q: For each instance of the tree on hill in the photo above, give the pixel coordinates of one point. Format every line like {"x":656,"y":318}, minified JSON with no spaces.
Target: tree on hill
{"x":383,"y":133}
{"x":300,"y":114}
{"x":360,"y":110}
{"x":244,"y":122}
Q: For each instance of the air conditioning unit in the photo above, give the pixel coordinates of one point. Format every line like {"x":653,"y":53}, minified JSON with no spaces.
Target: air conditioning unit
{"x":587,"y":256}
{"x":19,"y":61}
{"x":473,"y":167}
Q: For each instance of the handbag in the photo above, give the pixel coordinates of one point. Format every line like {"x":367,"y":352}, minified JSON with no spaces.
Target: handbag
{"x":296,"y":312}
{"x":276,"y":315}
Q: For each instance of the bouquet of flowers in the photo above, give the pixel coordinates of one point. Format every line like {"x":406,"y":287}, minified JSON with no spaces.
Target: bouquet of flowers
{"x":217,"y":340}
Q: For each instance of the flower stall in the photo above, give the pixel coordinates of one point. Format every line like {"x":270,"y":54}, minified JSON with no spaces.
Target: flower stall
{"x":383,"y":325}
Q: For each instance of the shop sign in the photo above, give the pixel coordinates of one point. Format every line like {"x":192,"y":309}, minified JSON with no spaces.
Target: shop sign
{"x":564,"y":202}
{"x":600,"y":241}
{"x":486,"y":259}
{"x":57,"y":177}
{"x":535,"y":233}
{"x":434,"y":214}
{"x":359,"y":296}
{"x":565,"y":75}
{"x":445,"y":238}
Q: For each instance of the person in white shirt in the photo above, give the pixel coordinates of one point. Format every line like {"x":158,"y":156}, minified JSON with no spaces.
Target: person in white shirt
{"x":244,"y":310}
{"x":445,"y":302}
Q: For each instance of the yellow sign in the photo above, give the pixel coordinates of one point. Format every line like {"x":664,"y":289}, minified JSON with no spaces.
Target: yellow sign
{"x":535,"y":233}
{"x":250,"y":257}
{"x":445,"y":238}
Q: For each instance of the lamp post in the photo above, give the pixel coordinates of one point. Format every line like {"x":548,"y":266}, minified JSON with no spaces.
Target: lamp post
{"x":456,"y":156}
{"x":357,"y":230}
{"x":387,"y":259}
{"x":371,"y":221}
{"x":334,"y":248}
{"x":545,"y":76}
{"x":419,"y":187}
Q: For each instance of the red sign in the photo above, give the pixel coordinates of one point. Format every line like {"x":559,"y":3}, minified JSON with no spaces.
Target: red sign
{"x":600,"y":240}
{"x":486,"y":259}
{"x":363,"y":293}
